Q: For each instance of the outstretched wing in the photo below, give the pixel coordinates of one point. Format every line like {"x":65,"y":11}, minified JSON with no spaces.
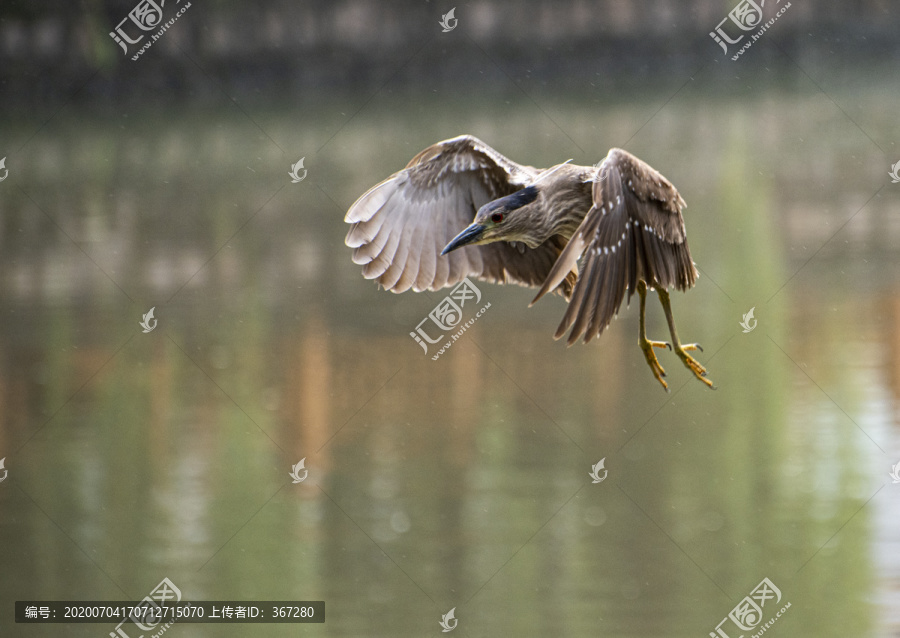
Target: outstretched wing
{"x":400,"y":226}
{"x":634,"y":230}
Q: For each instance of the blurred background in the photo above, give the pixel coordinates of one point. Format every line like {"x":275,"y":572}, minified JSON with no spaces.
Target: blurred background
{"x":463,"y":482}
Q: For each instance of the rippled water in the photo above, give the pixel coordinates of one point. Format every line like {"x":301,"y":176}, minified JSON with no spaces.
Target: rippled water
{"x":463,"y":482}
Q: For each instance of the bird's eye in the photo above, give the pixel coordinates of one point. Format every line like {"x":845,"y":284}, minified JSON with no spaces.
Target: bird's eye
{"x":497,"y":218}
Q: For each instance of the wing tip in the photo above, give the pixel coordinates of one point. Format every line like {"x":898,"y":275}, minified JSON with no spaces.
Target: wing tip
{"x":369,"y":203}
{"x":537,"y":297}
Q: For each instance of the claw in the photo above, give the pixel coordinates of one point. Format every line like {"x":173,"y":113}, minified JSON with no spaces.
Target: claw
{"x":655,"y":367}
{"x":692,"y":346}
{"x":694,"y":366}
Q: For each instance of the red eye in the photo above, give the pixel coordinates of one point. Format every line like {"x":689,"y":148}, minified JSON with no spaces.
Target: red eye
{"x":497,"y":218}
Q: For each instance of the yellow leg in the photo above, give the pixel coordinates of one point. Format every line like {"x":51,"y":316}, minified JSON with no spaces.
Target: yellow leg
{"x":681,"y":349}
{"x":646,"y":345}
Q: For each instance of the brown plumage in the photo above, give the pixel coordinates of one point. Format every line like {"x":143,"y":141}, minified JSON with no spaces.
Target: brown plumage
{"x":633,"y":231}
{"x":530,"y":227}
{"x":400,"y":226}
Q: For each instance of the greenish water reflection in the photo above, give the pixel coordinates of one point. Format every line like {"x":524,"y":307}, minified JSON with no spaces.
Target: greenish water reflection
{"x":461,"y":482}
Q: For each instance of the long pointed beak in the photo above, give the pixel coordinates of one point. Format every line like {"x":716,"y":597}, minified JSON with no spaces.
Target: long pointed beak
{"x":469,"y":235}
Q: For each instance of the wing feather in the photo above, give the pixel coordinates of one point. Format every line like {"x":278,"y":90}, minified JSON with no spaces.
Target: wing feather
{"x":634,"y":230}
{"x":399,"y":227}
{"x":564,"y":266}
{"x":382,"y":261}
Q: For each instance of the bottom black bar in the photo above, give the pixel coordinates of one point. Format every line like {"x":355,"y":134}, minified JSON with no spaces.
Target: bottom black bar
{"x":148,"y":616}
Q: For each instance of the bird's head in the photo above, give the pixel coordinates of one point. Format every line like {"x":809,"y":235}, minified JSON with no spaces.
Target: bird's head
{"x":504,"y":219}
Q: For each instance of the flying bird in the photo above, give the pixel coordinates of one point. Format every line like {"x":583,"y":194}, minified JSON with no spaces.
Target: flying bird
{"x":461,"y":209}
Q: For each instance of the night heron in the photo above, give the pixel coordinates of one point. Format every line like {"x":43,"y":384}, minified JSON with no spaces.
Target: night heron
{"x":531,"y":226}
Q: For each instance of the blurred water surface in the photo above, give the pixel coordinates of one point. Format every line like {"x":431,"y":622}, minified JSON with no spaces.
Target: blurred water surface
{"x":461,"y":482}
